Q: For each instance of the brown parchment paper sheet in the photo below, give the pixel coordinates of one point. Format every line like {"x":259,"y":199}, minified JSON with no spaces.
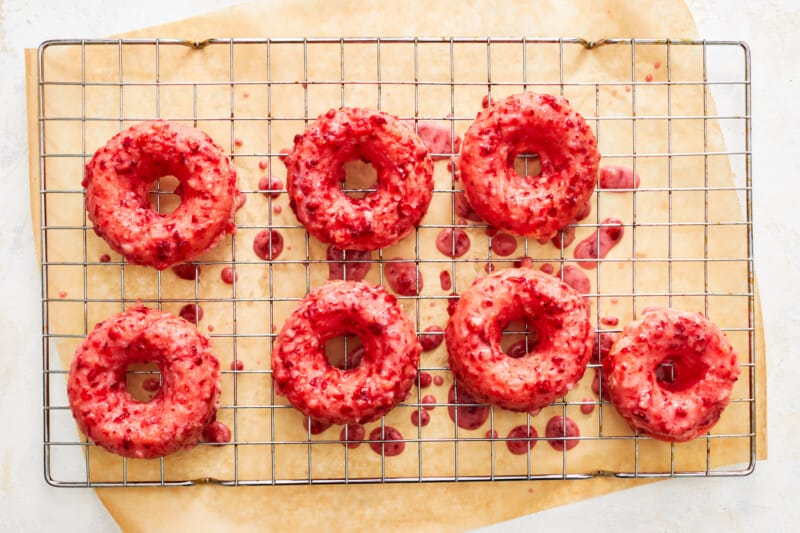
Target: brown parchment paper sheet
{"x":417,"y":506}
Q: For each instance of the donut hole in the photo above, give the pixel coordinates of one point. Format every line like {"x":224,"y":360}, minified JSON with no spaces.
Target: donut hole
{"x":164,"y":195}
{"x":527,"y":164}
{"x":143,"y":381}
{"x":519,"y":339}
{"x":360,"y":178}
{"x":679,"y":372}
{"x":344,"y":352}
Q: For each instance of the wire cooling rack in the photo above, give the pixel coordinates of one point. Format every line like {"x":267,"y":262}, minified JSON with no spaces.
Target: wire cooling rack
{"x":253,"y":95}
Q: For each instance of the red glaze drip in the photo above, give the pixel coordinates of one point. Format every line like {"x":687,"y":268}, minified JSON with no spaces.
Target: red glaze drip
{"x":657,"y":65}
{"x":217,"y":432}
{"x":263,"y":164}
{"x":241,"y":199}
{"x":390,"y":445}
{"x":518,"y":350}
{"x":436,"y":137}
{"x":354,"y":357}
{"x":608,"y":236}
{"x":105,"y":258}
{"x":191,"y":313}
{"x":354,"y":267}
{"x":587,"y":408}
{"x":402,"y":278}
{"x":488,"y":268}
{"x":490,"y":231}
{"x":438,"y":381}
{"x":429,"y":402}
{"x":268,"y":244}
{"x":228,"y":274}
{"x":431,"y":337}
{"x":525,"y":442}
{"x":615,"y":177}
{"x":63,"y":294}
{"x":524,"y":262}
{"x":355,"y":433}
{"x":559,"y":427}
{"x":648,"y":78}
{"x":576,"y":278}
{"x":486,"y":101}
{"x":491,"y":434}
{"x":270,"y":186}
{"x":469,"y":416}
{"x":565,"y":236}
{"x":445,"y":281}
{"x":237,"y":365}
{"x":151,"y":384}
{"x":238,"y":142}
{"x":452,"y":303}
{"x":504,"y":244}
{"x":315,"y":426}
{"x":453,"y":242}
{"x":187,"y":271}
{"x":463,"y":209}
{"x":609,"y":320}
{"x":420,"y":418}
{"x":277,"y":209}
{"x":603,"y":346}
{"x":547,"y":268}
{"x":425,"y":380}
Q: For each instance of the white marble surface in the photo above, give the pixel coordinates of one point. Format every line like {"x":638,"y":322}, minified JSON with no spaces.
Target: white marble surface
{"x":765,"y":501}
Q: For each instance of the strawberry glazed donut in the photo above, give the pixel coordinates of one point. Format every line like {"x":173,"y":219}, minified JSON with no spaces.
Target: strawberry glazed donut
{"x":118,"y":180}
{"x":551,"y":308}
{"x":676,"y":404}
{"x":315,"y":168}
{"x":360,"y":394}
{"x":175,"y":417}
{"x":532,"y":206}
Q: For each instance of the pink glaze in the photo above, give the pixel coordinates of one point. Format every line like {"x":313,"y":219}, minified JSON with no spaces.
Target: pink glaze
{"x":402,"y":278}
{"x":270,"y":186}
{"x":348,"y":264}
{"x":525,"y":442}
{"x":429,"y":402}
{"x":352,"y":435}
{"x":613,"y":177}
{"x":228,"y":275}
{"x":452,"y":242}
{"x":587,"y":408}
{"x":598,"y":245}
{"x":504,"y":244}
{"x":217,"y":433}
{"x":560,"y":427}
{"x":420,"y":418}
{"x":445,"y":281}
{"x":191,"y":313}
{"x":387,"y":445}
{"x":315,"y":426}
{"x":431,"y":338}
{"x":268,"y":244}
{"x":469,"y":416}
{"x":425,"y":380}
{"x":187,"y":271}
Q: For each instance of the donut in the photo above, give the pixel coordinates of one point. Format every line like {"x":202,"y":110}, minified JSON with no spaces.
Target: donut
{"x":315,"y":168}
{"x":550,"y":307}
{"x":118,"y":180}
{"x":531,"y":206}
{"x":175,"y":417}
{"x":363,"y":393}
{"x":688,"y":402}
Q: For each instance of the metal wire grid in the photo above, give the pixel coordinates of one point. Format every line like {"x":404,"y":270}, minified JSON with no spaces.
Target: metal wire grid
{"x":53,"y":375}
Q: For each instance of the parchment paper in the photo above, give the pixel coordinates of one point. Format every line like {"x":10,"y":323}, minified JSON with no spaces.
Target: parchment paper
{"x":415,"y":506}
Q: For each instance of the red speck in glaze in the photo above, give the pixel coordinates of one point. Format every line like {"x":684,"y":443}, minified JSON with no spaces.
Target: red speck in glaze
{"x":352,"y":265}
{"x":228,"y":275}
{"x":390,"y":445}
{"x":609,"y":320}
{"x":504,"y":244}
{"x":425,"y":380}
{"x":445,"y":281}
{"x":238,"y":142}
{"x":615,"y":177}
{"x":315,"y":426}
{"x":352,"y":435}
{"x":151,"y":384}
{"x":526,"y":440}
{"x":491,"y":434}
{"x":263,"y":164}
{"x":268,"y":244}
{"x":211,"y":328}
{"x":277,"y":209}
{"x":469,"y":416}
{"x":648,"y":78}
{"x":105,"y":258}
{"x":453,"y":242}
{"x":237,"y":365}
{"x":547,"y":268}
{"x":191,"y":313}
{"x":657,"y":64}
{"x":438,"y":381}
{"x":429,"y":402}
{"x":598,"y":245}
{"x":559,"y":427}
{"x":431,"y":337}
{"x":270,"y":186}
{"x":420,"y":418}
{"x":217,"y":432}
{"x":62,"y":294}
{"x":587,"y":408}
{"x":186,"y":271}
{"x":402,"y":278}
{"x":576,"y":278}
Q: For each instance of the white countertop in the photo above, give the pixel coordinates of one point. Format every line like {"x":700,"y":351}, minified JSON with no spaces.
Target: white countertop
{"x":765,"y":501}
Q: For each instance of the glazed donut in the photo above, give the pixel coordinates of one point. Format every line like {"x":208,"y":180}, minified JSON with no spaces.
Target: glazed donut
{"x":118,"y":180}
{"x":549,"y":306}
{"x":704,"y":366}
{"x":538,"y":206}
{"x":361,"y":394}
{"x":175,"y":417}
{"x":315,"y":167}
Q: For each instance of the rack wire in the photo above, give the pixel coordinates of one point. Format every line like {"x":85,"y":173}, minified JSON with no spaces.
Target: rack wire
{"x":257,"y":93}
